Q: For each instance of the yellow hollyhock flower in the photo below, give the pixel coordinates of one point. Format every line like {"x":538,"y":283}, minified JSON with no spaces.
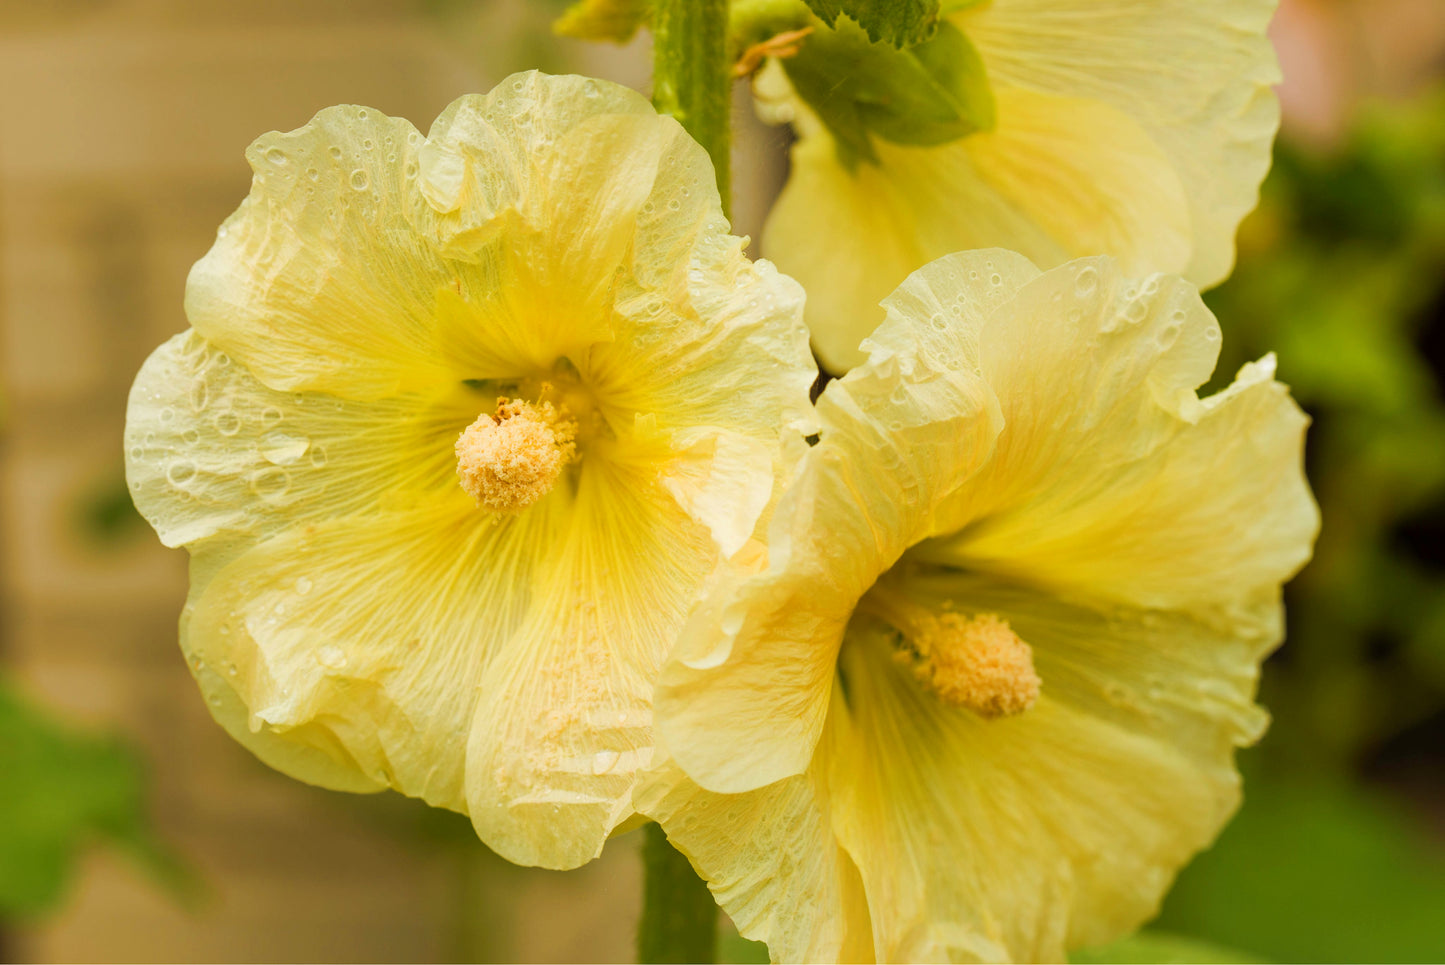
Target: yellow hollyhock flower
{"x":1136,"y":129}
{"x":461,"y":427}
{"x":979,"y":700}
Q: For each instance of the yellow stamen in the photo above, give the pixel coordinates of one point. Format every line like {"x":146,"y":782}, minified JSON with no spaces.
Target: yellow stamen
{"x":974,"y":662}
{"x":978,"y":663}
{"x":510,"y":459}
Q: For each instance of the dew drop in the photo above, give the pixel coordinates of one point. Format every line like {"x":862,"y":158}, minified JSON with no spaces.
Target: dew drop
{"x":270,"y":484}
{"x":995,"y":279}
{"x":228,"y":423}
{"x":167,"y":414}
{"x":313,"y":174}
{"x":318,"y":456}
{"x":334,"y":151}
{"x":331,"y":657}
{"x":604,"y":761}
{"x":283,"y":448}
{"x":200,"y":395}
{"x":190,"y":437}
{"x":136,"y":452}
{"x":276,"y":156}
{"x":1086,"y":281}
{"x":303,"y":585}
{"x":360,"y":180}
{"x":271,"y":415}
{"x":180,"y":472}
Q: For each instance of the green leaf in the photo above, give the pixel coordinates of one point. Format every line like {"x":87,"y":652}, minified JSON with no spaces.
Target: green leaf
{"x":932,"y":94}
{"x":62,"y":791}
{"x":1163,"y":948}
{"x":1317,"y":871}
{"x":901,"y":23}
{"x":613,"y":20}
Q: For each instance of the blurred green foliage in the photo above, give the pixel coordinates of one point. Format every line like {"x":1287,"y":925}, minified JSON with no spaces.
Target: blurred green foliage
{"x":64,"y":790}
{"x":1336,"y":855}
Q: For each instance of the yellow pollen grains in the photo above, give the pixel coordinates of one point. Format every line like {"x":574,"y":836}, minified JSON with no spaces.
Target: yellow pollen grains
{"x":513,"y":457}
{"x":978,"y":663}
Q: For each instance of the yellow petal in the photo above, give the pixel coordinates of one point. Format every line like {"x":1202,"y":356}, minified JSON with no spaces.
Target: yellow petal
{"x":317,"y":281}
{"x":385,"y":681}
{"x":210,"y":450}
{"x":1111,"y":476}
{"x":1195,"y":77}
{"x":744,"y":697}
{"x":1058,"y":177}
{"x":1007,"y":840}
{"x":765,"y":854}
{"x":329,"y":276}
{"x":566,"y":724}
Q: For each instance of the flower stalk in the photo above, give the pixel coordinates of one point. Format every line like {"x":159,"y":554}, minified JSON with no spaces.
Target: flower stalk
{"x":691,"y":75}
{"x":679,"y":917}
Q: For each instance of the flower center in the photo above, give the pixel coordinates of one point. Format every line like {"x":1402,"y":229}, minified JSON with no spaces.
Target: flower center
{"x":513,"y":457}
{"x":975,"y":662}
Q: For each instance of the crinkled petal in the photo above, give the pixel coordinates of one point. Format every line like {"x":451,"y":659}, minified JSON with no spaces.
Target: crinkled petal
{"x":1007,"y":840}
{"x":766,"y":855}
{"x":1196,"y":77}
{"x":744,"y":697}
{"x":370,"y":261}
{"x":1111,"y":477}
{"x":210,"y":450}
{"x":1057,"y":178}
{"x":363,"y":638}
{"x":565,"y":727}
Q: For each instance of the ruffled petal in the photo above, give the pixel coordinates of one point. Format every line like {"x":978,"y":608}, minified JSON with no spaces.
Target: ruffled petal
{"x":1013,"y":839}
{"x":744,"y":696}
{"x":1196,"y":78}
{"x":369,"y":261}
{"x":1111,"y":477}
{"x":1057,"y":178}
{"x":768,"y":853}
{"x":360,"y":640}
{"x":211,"y":451}
{"x":565,"y":727}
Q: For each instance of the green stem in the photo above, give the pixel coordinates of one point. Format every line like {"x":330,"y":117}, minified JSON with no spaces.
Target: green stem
{"x":692,"y":75}
{"x":679,"y":918}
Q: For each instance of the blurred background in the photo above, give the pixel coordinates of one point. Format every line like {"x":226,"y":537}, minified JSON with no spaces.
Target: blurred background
{"x":132,"y":828}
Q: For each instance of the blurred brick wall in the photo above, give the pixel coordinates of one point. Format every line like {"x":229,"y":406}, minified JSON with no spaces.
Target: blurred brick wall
{"x":122,"y":127}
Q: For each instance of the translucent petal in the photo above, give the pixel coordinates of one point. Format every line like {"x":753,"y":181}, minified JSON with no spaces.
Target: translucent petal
{"x":566,"y":726}
{"x":210,"y":450}
{"x":1135,"y":128}
{"x":1111,"y":477}
{"x":1057,"y":178}
{"x":1007,"y":840}
{"x":364,"y":638}
{"x":1196,"y":77}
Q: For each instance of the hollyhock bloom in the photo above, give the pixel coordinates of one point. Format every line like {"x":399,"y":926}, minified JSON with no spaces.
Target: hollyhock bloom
{"x":1136,"y":128}
{"x":979,"y":699}
{"x":462,"y":426}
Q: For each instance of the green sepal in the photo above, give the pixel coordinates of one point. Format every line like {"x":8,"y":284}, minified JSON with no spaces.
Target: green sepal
{"x":612,"y":20}
{"x":901,"y":23}
{"x":931,"y":94}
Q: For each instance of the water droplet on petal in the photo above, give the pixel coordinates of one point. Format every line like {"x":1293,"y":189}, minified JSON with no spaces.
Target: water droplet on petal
{"x":283,"y":448}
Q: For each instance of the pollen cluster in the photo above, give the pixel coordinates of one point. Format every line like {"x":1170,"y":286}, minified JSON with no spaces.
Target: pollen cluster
{"x":978,"y":663}
{"x":509,"y":459}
